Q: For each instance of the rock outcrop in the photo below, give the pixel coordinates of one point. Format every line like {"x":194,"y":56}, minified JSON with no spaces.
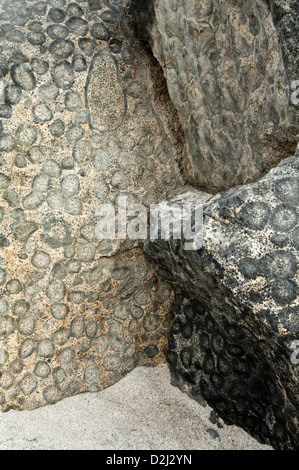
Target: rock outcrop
{"x":234,"y":341}
{"x":89,"y":115}
{"x":81,"y":125}
{"x":229,"y":67}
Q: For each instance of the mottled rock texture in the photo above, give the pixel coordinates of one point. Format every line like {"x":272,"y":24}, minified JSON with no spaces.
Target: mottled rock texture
{"x":237,"y":305}
{"x":88,"y":116}
{"x":81,"y":125}
{"x":229,"y":67}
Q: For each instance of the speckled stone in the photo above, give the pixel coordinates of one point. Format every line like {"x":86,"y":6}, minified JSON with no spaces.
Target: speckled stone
{"x":236,"y":306}
{"x":210,"y":83}
{"x":67,"y":126}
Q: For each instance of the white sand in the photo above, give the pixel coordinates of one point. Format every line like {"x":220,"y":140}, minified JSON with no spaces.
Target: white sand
{"x":142,"y":412}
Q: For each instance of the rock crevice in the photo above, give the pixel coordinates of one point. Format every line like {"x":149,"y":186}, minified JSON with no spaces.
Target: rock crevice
{"x":229,"y":68}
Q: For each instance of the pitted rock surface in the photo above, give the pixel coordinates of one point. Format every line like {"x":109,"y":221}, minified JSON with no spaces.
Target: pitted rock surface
{"x":230,"y":67}
{"x":81,"y":125}
{"x":232,"y":340}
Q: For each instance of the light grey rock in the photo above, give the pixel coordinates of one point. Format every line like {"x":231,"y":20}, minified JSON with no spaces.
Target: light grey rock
{"x":220,"y":64}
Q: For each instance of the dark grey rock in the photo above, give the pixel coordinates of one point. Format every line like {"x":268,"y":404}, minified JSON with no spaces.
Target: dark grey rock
{"x":58,"y":3}
{"x":118,"y":344}
{"x":23,"y":229}
{"x":14,"y":287}
{"x":15,"y":37}
{"x":23,"y":76}
{"x":72,"y":101}
{"x":61,"y":48}
{"x":112,"y":363}
{"x":27,"y":348}
{"x":121,"y":311}
{"x":67,"y":163}
{"x":73,"y":266}
{"x":35,"y":155}
{"x":59,"y":311}
{"x":56,"y":234}
{"x":215,"y":97}
{"x":70,"y":185}
{"x":41,"y":182}
{"x":79,"y":63}
{"x":63,"y":75}
{"x":134,"y":326}
{"x":94,"y":5}
{"x":59,"y":271}
{"x":11,"y":197}
{"x":35,"y":26}
{"x":151,"y":322}
{"x":3,"y":275}
{"x":136,"y":311}
{"x":75,"y":133}
{"x":36,"y":38}
{"x":255,"y":215}
{"x":115,"y":46}
{"x":91,"y":374}
{"x":287,"y":189}
{"x":78,"y":324}
{"x":57,"y":128}
{"x":224,"y":333}
{"x":74,"y":9}
{"x":82,"y":152}
{"x":56,"y":291}
{"x":33,"y":200}
{"x":57,"y":31}
{"x":120,"y":273}
{"x":87,"y":46}
{"x":109,"y":16}
{"x":86,"y":252}
{"x":128,"y":56}
{"x":4,"y":181}
{"x":284,"y":219}
{"x":284,"y":292}
{"x":42,"y":113}
{"x":5,"y":111}
{"x":42,"y":369}
{"x":3,"y":69}
{"x":56,"y":15}
{"x":20,"y":307}
{"x":100,"y":31}
{"x":17,"y":58}
{"x":13,"y":94}
{"x":26,"y":326}
{"x":48,"y":93}
{"x":39,"y":8}
{"x":101,"y":190}
{"x":41,"y":259}
{"x":77,"y":26}
{"x":67,"y":355}
{"x":52,"y":394}
{"x":151,"y":350}
{"x":213,"y":433}
{"x":99,"y":344}
{"x":40,"y":67}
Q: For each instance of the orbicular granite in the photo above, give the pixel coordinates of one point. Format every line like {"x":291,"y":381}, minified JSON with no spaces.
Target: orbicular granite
{"x":230,"y":67}
{"x":81,"y":125}
{"x":235,"y":338}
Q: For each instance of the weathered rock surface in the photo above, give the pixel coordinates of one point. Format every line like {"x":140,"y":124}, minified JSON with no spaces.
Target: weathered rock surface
{"x":81,"y":125}
{"x":230,"y":68}
{"x":237,"y":307}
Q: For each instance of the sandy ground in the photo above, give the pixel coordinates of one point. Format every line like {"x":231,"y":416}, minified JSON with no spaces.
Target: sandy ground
{"x":141,"y":412}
